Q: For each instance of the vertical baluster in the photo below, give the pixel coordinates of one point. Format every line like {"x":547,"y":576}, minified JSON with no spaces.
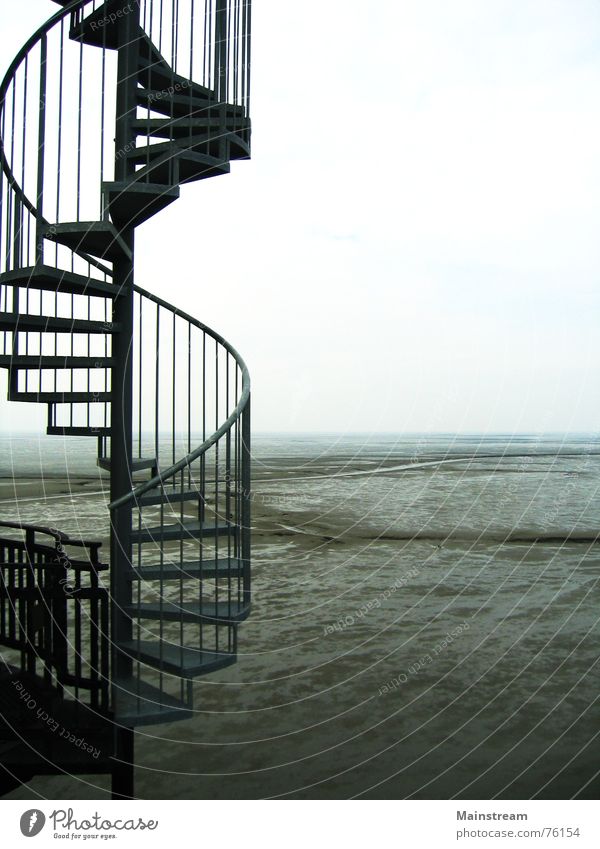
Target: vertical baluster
{"x":209,"y":49}
{"x":192,"y":40}
{"x":221,"y":50}
{"x":228,"y":48}
{"x":79,"y":134}
{"x":61,"y":70}
{"x":189,"y":401}
{"x":104,"y":648}
{"x":217,"y":491}
{"x":23,"y":158}
{"x":2,"y":208}
{"x":103,"y":205}
{"x":26,"y":612}
{"x":151,"y":19}
{"x":160,"y":27}
{"x":10,"y":230}
{"x":237,"y":491}
{"x":78,"y":632}
{"x":59,"y":151}
{"x":246,"y":499}
{"x":201,"y":518}
{"x":157,"y":383}
{"x":181,"y":557}
{"x":94,"y":638}
{"x":248,"y":6}
{"x":3,"y":594}
{"x":140,"y":375}
{"x":228,"y":516}
{"x":228,"y":511}
{"x":173,"y":395}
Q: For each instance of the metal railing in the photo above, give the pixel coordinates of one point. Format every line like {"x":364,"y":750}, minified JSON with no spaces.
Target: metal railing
{"x":54,"y":611}
{"x":192,"y":420}
{"x":191,"y":390}
{"x":57,"y":143}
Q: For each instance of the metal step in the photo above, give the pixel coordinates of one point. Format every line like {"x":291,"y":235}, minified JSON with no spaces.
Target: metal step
{"x":190,"y":611}
{"x":182,"y":128}
{"x":138,"y":464}
{"x":56,"y":280}
{"x":98,"y":238}
{"x":99,"y":29}
{"x":181,"y":530}
{"x":40,"y":362}
{"x":183,"y":661}
{"x":222,"y":569}
{"x":174,"y":105}
{"x":183,"y":167}
{"x":209,"y":143}
{"x":59,"y":397}
{"x":167,"y":496}
{"x":57,"y":430}
{"x":24,"y":322}
{"x":131,"y":203}
{"x":137,"y":703}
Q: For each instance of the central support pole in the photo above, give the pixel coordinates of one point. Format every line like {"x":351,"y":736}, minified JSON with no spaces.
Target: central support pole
{"x":121,"y":400}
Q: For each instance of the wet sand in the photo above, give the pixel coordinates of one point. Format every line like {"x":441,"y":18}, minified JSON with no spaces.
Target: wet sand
{"x":424,"y":632}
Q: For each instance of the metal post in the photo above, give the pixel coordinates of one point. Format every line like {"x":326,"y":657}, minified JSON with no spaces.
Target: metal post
{"x":221,"y":50}
{"x":121,"y":398}
{"x":39,"y":238}
{"x":246,"y":496}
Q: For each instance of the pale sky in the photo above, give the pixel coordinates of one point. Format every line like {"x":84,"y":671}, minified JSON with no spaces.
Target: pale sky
{"x":414,"y":245}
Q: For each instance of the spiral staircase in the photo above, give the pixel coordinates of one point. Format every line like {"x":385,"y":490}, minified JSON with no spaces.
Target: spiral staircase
{"x":107,"y":110}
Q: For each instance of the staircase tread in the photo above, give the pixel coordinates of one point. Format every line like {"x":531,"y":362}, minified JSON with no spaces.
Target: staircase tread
{"x":97,"y":29}
{"x":98,"y":238}
{"x":187,"y":164}
{"x":167,"y":497}
{"x":134,"y":202}
{"x":209,"y":568}
{"x":26,"y":321}
{"x":186,"y":661}
{"x":173,"y":128}
{"x":176,"y":529}
{"x":68,"y":430}
{"x":135,"y":702}
{"x":138,"y":464}
{"x":56,"y":279}
{"x":191,"y":611}
{"x":60,"y":397}
{"x":180,"y":105}
{"x":42,"y":361}
{"x":143,"y":152}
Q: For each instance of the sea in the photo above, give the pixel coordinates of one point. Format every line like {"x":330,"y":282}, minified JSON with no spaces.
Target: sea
{"x":425,"y":619}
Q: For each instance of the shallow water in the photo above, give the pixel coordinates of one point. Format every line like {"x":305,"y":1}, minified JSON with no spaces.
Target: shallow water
{"x":417,"y":630}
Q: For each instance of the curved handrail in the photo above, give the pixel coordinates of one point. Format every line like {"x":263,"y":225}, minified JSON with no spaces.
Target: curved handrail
{"x":186,"y":461}
{"x":5,"y":84}
{"x":58,"y":536}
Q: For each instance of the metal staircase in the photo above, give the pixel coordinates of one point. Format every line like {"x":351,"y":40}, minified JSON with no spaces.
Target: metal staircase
{"x":106,"y":111}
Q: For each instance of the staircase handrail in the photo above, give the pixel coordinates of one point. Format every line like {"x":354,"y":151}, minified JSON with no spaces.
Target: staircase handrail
{"x":7,"y":80}
{"x":235,"y":415}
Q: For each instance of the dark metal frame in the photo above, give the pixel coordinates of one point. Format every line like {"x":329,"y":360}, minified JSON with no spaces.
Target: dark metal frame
{"x":95,"y":386}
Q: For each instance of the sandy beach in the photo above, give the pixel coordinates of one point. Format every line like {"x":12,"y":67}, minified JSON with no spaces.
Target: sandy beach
{"x":419,"y":629}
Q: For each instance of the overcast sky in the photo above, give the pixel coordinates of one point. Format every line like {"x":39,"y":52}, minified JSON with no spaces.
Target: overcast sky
{"x":414,"y":245}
